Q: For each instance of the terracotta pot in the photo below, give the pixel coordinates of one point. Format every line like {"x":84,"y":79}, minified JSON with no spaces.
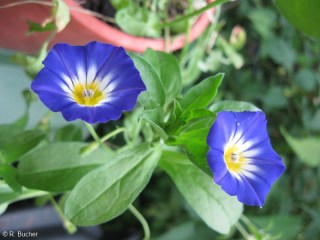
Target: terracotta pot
{"x":82,"y":28}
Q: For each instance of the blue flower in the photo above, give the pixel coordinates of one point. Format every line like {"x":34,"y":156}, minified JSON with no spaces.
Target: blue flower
{"x":241,"y":157}
{"x":95,"y":82}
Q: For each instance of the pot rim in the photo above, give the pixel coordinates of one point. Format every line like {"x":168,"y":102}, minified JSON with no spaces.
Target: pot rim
{"x":133,"y":43}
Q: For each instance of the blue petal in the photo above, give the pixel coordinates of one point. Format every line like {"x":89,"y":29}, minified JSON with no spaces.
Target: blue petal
{"x":268,"y":162}
{"x":66,"y":59}
{"x":229,"y":184}
{"x":101,"y":114}
{"x":217,"y":164}
{"x":222,"y":130}
{"x":252,"y":192}
{"x":49,"y":82}
{"x":54,"y":101}
{"x":124,"y":99}
{"x":250,"y":126}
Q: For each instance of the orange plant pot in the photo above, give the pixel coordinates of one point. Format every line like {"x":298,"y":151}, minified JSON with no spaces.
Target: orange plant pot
{"x":82,"y":28}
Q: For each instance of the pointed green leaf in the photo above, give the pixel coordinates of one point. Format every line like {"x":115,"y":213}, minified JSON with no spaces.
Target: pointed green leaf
{"x":9,"y":174}
{"x":201,"y":95}
{"x":217,"y":209}
{"x":168,"y":70}
{"x":155,"y":94}
{"x":59,"y":166}
{"x":302,"y":14}
{"x":107,"y":191}
{"x":307,"y":149}
{"x":21,"y":143}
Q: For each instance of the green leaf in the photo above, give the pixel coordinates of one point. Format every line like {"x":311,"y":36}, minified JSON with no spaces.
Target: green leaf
{"x":202,"y":94}
{"x":280,"y":52}
{"x":21,"y":143}
{"x":302,"y":14}
{"x":155,"y":94}
{"x":59,"y":166}
{"x":8,"y":173}
{"x":119,"y":4}
{"x":218,"y":210}
{"x":194,"y":140}
{"x":153,"y":117}
{"x":306,"y":79}
{"x":68,"y":133}
{"x":107,"y":192}
{"x":307,"y":149}
{"x":61,"y":14}
{"x":36,"y":27}
{"x":32,"y":64}
{"x":263,"y":20}
{"x":8,"y":131}
{"x":175,"y":112}
{"x":274,"y":98}
{"x":284,"y":226}
{"x":199,"y":113}
{"x":235,"y":106}
{"x":7,"y":193}
{"x":138,"y":21}
{"x":168,"y":69}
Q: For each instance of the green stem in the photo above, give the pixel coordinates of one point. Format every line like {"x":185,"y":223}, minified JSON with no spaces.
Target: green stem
{"x":113,"y":133}
{"x":93,"y":133}
{"x":242,"y":230}
{"x":187,"y":35}
{"x":166,"y":33}
{"x":70,"y":227}
{"x":142,"y":220}
{"x":195,"y":13}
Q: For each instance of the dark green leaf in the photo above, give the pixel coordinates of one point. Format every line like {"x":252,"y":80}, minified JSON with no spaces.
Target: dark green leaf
{"x":59,"y":166}
{"x":302,"y":14}
{"x":155,"y":94}
{"x":280,"y":52}
{"x":36,"y":27}
{"x":175,"y":112}
{"x":274,"y":98}
{"x":8,"y":131}
{"x":201,"y":95}
{"x":306,"y":79}
{"x":119,"y":4}
{"x":6,"y":193}
{"x":153,"y":117}
{"x":168,"y":70}
{"x":22,"y":143}
{"x":9,"y":175}
{"x":263,"y":20}
{"x":69,"y":133}
{"x":218,"y":210}
{"x":199,"y":113}
{"x":194,"y":140}
{"x":107,"y":192}
{"x":284,"y":226}
{"x":307,"y":149}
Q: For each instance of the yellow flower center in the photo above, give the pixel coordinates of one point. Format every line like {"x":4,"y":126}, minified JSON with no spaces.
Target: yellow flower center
{"x":88,"y":94}
{"x":234,"y":160}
